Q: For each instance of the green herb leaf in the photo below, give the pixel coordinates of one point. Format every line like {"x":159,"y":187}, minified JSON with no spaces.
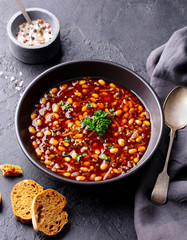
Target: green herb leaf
{"x":89,"y":104}
{"x":84,"y":154}
{"x":65,"y":154}
{"x":99,"y":122}
{"x":112,"y":112}
{"x":78,"y":157}
{"x":66,"y":106}
{"x":60,"y":103}
{"x":110,"y":146}
{"x":121,"y":133}
{"x":66,"y":139}
{"x":104,"y":157}
{"x":78,"y":128}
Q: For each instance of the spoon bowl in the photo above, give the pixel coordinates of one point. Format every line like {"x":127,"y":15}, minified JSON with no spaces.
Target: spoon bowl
{"x":175,"y":108}
{"x":175,"y":112}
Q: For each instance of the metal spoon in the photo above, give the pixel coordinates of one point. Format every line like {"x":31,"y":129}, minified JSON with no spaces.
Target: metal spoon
{"x":25,"y":14}
{"x":175,"y":112}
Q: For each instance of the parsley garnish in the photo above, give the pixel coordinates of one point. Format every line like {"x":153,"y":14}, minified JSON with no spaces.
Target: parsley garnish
{"x":99,"y":122}
{"x":66,"y":139}
{"x":78,"y":128}
{"x":104,"y":157}
{"x":65,"y":154}
{"x":89,"y":104}
{"x":84,"y":154}
{"x":112,"y":112}
{"x":78,"y":157}
{"x":60,"y":103}
{"x":110,"y":146}
{"x":66,"y":106}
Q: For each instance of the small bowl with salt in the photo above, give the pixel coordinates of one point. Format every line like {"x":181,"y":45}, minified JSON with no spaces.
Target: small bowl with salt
{"x":37,"y":42}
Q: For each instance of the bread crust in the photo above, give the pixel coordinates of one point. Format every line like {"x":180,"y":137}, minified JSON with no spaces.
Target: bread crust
{"x":10,"y":170}
{"x":48,"y":216}
{"x":21,"y":198}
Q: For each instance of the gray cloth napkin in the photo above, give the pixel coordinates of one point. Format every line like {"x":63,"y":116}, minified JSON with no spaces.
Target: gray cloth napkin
{"x":167,"y":68}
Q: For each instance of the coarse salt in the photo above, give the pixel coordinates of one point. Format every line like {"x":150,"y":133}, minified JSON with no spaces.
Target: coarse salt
{"x":39,"y":32}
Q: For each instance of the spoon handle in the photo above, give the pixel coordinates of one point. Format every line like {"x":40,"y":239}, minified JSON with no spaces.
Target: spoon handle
{"x":160,"y":190}
{"x":25,"y":14}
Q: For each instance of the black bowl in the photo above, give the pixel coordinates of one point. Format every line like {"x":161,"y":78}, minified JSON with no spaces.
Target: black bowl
{"x":92,"y":68}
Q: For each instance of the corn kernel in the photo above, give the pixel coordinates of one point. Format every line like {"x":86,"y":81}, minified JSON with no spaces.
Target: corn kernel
{"x":97,"y":151}
{"x":139,"y":122}
{"x":101,"y":82}
{"x":78,"y":135}
{"x":39,"y":122}
{"x":55,"y":107}
{"x":141,"y":148}
{"x":70,"y":100}
{"x":121,"y":142}
{"x":63,"y":87}
{"x":92,"y":177}
{"x":32,"y":130}
{"x":66,"y":144}
{"x":54,"y":90}
{"x":66,"y":174}
{"x":130,"y":122}
{"x":138,"y":139}
{"x":118,"y":112}
{"x":53,"y":141}
{"x":80,"y":178}
{"x":136,"y":160}
{"x":93,"y":99}
{"x":43,"y":100}
{"x":81,"y":82}
{"x":67,"y":159}
{"x":78,"y":94}
{"x":103,"y":166}
{"x":95,"y":95}
{"x":84,"y":108}
{"x":84,"y":169}
{"x":98,"y":178}
{"x":114,"y":150}
{"x":38,"y":151}
{"x":47,"y":162}
{"x":33,"y":116}
{"x":112,"y":85}
{"x":133,"y":150}
{"x":61,"y":148}
{"x":147,"y":123}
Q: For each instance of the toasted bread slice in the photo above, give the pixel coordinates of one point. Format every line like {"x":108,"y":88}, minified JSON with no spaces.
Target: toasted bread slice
{"x":21,"y":197}
{"x":10,"y":170}
{"x":48,"y":216}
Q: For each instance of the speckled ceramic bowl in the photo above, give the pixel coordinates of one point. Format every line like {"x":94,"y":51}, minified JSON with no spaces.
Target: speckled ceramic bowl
{"x":75,"y":70}
{"x":34,"y":54}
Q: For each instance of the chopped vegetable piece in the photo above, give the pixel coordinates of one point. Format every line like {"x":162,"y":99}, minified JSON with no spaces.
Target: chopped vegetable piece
{"x":77,"y":158}
{"x":60,"y":103}
{"x":66,"y":106}
{"x":89,"y":104}
{"x":65,"y":154}
{"x":66,"y":139}
{"x":104,"y":157}
{"x":110,"y":146}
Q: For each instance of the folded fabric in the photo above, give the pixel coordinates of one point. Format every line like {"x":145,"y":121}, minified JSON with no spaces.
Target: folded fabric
{"x":167,"y":68}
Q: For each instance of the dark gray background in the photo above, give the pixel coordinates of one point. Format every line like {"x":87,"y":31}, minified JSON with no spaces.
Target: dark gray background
{"x":121,"y":31}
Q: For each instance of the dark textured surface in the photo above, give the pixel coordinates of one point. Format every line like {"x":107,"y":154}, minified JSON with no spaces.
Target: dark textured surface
{"x":122,"y":31}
